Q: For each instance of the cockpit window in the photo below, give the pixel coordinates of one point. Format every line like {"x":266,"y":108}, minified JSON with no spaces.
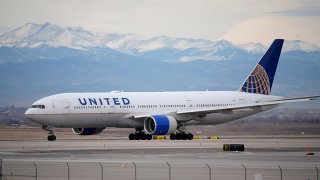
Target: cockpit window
{"x":40,"y":106}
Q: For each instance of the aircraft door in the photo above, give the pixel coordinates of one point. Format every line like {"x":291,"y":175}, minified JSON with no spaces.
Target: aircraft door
{"x":189,"y":102}
{"x":240,"y":101}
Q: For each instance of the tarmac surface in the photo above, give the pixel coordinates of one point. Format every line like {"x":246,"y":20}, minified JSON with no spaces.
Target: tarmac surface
{"x":117,"y":158}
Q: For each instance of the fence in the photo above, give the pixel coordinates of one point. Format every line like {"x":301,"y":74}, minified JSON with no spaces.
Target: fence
{"x":10,"y":169}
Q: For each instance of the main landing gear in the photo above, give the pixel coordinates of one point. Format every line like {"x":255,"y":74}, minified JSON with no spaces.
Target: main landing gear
{"x":51,"y":136}
{"x":181,"y":136}
{"x":140,"y":135}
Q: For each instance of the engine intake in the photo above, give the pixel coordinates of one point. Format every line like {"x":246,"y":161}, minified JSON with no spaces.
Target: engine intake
{"x":87,"y":131}
{"x":160,"y":125}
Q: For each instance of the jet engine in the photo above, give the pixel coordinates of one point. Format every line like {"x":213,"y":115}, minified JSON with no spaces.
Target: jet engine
{"x":160,"y":125}
{"x":87,"y":131}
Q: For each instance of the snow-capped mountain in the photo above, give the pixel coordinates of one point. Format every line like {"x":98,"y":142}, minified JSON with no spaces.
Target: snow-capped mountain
{"x":253,"y":47}
{"x":288,"y":46}
{"x":50,"y":35}
{"x":298,"y":45}
{"x":35,"y":35}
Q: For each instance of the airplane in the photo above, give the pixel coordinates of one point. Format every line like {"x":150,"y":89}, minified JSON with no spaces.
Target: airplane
{"x":162,"y":113}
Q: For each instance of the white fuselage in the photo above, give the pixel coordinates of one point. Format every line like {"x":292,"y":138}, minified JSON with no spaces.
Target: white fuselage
{"x":117,"y":109}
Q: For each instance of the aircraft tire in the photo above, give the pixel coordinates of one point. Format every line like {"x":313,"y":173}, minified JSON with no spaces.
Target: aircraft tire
{"x":181,"y":136}
{"x":52,"y":138}
{"x":184,"y":136}
{"x":143,"y":136}
{"x":172,"y":136}
{"x":137,"y":136}
{"x":190,"y":136}
{"x":131,"y":136}
{"x":178,"y":136}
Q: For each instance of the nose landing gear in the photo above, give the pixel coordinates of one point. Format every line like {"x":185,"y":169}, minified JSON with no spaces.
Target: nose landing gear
{"x":51,"y":136}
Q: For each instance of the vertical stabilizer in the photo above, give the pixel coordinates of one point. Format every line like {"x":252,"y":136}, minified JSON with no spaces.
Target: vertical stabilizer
{"x":261,"y":78}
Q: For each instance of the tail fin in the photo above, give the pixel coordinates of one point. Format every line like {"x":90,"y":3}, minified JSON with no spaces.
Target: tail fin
{"x":261,"y":78}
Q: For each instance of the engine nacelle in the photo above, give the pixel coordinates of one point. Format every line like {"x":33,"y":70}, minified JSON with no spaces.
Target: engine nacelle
{"x":87,"y":131}
{"x":160,"y":125}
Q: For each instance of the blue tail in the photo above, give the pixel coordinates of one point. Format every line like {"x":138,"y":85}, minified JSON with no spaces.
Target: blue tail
{"x":261,"y":78}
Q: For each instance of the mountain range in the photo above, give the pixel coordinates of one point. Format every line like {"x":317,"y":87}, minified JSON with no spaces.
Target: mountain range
{"x":43,"y":59}
{"x":180,"y":49}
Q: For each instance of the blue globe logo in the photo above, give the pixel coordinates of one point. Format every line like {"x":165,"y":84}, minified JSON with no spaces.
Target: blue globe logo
{"x":257,"y":82}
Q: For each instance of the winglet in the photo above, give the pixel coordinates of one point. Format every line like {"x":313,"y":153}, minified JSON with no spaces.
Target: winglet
{"x":261,"y":78}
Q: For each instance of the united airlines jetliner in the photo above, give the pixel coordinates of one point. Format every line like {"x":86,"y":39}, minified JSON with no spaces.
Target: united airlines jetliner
{"x":161,"y":113}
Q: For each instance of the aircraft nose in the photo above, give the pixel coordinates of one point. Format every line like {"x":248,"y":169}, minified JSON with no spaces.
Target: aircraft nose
{"x":28,"y":113}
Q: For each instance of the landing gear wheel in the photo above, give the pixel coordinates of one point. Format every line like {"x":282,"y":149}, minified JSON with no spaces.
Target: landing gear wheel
{"x":184,"y":136}
{"x":131,"y":136}
{"x":172,"y":136}
{"x":143,"y":136}
{"x":140,"y":136}
{"x":137,"y":136}
{"x":190,"y":136}
{"x":52,"y":137}
{"x":181,"y":136}
{"x":149,"y":136}
{"x":178,"y":136}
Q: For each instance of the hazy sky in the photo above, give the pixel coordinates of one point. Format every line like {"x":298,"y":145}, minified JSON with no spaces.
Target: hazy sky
{"x":239,"y":21}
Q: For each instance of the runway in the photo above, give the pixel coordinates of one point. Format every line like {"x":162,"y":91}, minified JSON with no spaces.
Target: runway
{"x":263,"y":158}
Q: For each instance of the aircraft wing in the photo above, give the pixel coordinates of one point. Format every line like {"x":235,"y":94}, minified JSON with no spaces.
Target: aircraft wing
{"x":226,"y":109}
